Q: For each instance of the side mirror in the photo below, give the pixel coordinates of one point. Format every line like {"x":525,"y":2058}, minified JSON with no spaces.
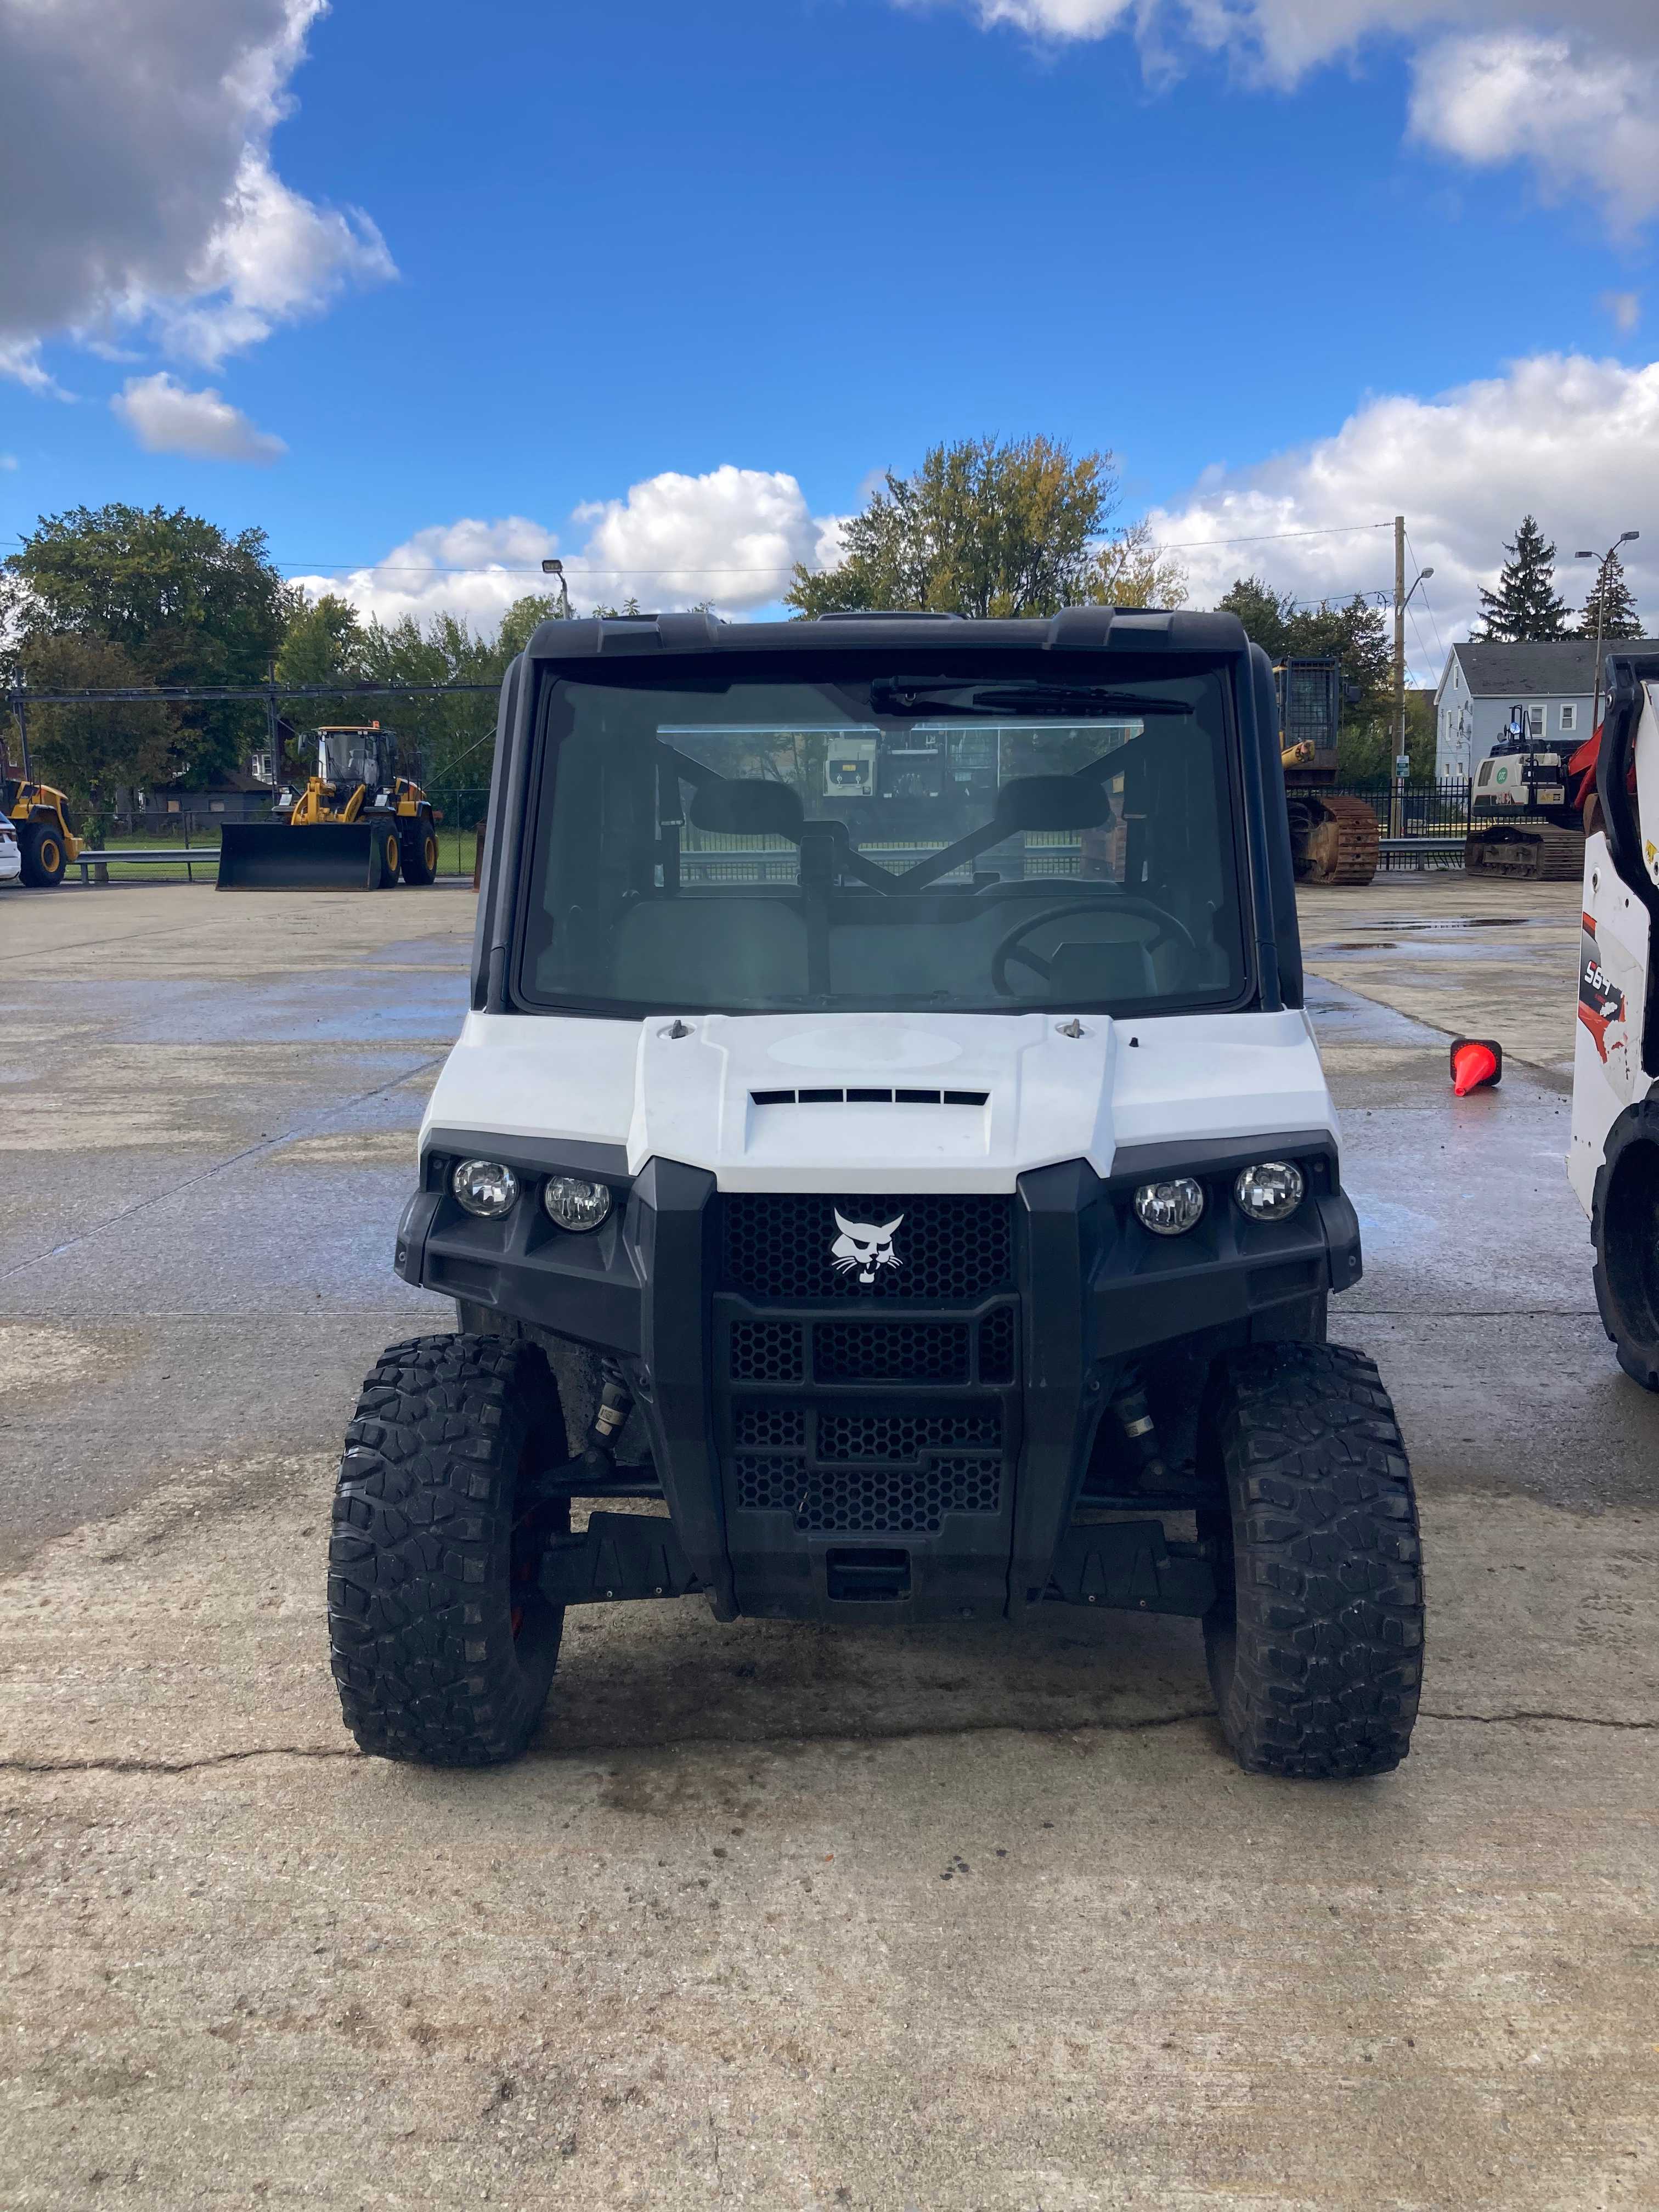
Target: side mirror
{"x":1052,"y":802}
{"x":749,"y":808}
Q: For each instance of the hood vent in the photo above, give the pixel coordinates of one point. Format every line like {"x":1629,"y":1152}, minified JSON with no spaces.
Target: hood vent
{"x":868,"y":1097}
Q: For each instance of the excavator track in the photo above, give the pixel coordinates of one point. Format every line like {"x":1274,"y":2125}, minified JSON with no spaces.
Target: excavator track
{"x":1537,"y":851}
{"x":1344,"y":840}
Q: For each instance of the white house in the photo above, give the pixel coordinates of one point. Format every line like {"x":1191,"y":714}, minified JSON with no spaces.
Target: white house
{"x":1553,"y":684}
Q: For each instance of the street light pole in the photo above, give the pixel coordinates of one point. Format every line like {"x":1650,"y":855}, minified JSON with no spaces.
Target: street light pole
{"x":1624,"y":538}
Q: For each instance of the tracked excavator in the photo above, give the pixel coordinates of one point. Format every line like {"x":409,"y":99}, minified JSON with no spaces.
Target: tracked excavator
{"x":1334,"y":838}
{"x":356,"y":825}
{"x":1613,"y":1162}
{"x":1524,"y":819}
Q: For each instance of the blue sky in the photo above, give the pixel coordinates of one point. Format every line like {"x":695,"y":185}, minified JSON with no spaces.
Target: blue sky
{"x":800,"y":240}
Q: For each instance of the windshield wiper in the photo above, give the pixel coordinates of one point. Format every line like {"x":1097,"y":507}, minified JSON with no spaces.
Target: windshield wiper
{"x":893,"y":695}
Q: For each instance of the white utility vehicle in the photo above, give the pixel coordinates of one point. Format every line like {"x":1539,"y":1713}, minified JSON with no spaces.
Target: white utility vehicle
{"x":1614,"y":1162}
{"x":887,"y":1149}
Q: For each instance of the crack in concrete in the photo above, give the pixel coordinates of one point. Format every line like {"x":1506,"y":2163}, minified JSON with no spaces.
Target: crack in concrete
{"x":535,"y":1756}
{"x":174,"y":1766}
{"x":1505,"y":1720}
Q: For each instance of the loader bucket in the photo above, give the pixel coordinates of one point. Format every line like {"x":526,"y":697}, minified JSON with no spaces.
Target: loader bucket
{"x":317,"y":856}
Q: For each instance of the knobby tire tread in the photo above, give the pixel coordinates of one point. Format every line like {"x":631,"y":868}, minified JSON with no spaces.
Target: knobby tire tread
{"x":420,"y":1592}
{"x":1316,"y":1645}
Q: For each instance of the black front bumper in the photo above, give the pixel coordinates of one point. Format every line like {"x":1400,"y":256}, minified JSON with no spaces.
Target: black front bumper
{"x":914,"y":1449}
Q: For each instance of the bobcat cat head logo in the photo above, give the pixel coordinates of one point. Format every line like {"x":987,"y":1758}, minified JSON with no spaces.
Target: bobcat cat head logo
{"x":864,"y":1245}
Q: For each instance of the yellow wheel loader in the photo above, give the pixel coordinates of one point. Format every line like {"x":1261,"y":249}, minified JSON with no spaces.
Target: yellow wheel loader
{"x":46,"y":838}
{"x":356,"y":826}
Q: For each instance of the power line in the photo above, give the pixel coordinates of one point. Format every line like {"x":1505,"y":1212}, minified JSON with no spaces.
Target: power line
{"x":1266,"y":537}
{"x":1427,"y":604}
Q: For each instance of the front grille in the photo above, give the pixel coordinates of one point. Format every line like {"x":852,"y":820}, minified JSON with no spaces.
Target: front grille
{"x":996,"y":1345}
{"x":770,"y":1428}
{"x":778,"y":1245}
{"x":870,"y":1501}
{"x":890,"y":1351}
{"x":902,"y":1436}
{"x":766,"y":1350}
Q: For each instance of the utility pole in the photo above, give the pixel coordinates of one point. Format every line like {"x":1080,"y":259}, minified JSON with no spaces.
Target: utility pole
{"x":1398,"y":635}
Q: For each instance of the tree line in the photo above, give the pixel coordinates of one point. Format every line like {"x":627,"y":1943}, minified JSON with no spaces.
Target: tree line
{"x":121,"y":597}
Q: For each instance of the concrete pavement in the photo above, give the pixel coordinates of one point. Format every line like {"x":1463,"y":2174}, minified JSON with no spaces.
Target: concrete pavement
{"x":772,"y":1915}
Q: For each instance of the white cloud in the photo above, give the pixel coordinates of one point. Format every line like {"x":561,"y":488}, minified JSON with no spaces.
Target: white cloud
{"x":1625,"y":308}
{"x":135,"y":184}
{"x":167,"y":418}
{"x":20,"y":359}
{"x":1569,"y":87}
{"x":275,"y":258}
{"x":1586,"y":119}
{"x":732,"y":537}
{"x":1572,"y":440}
{"x":472,"y":568}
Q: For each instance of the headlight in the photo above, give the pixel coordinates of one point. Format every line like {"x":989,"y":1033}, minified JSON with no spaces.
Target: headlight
{"x":485,"y":1187}
{"x":575,"y":1205}
{"x":1169,"y":1209}
{"x":1270,"y":1191}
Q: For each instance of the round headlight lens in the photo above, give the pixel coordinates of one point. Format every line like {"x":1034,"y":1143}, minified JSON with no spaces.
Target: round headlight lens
{"x":1169,"y":1209}
{"x":1270,"y":1191}
{"x":486,"y":1187}
{"x":575,"y":1205}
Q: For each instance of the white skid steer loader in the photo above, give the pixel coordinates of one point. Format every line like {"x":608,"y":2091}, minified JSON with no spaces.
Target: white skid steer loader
{"x":1613,"y":1161}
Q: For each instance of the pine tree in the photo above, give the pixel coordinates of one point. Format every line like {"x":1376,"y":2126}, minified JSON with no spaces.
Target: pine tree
{"x":1612,"y":594}
{"x":1526,"y":604}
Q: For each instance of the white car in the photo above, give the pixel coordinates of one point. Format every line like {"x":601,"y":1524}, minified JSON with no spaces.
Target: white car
{"x":11,"y":857}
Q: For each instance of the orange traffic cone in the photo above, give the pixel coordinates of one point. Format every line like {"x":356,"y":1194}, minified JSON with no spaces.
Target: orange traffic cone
{"x":1475,"y":1062}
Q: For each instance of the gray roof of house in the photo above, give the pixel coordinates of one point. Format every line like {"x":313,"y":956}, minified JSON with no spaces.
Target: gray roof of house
{"x":1564,"y":667}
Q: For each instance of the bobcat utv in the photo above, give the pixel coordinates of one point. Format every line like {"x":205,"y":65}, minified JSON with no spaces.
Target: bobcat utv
{"x":887,"y":1149}
{"x":1614,"y":1162}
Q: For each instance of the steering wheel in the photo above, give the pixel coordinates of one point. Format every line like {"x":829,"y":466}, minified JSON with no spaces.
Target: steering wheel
{"x":1010,"y":947}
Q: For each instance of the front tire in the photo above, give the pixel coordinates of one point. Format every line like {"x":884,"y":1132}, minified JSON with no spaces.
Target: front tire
{"x":1315,"y":1643}
{"x":443,"y":1646}
{"x":420,"y":852}
{"x":43,"y":856}
{"x":1625,"y":1232}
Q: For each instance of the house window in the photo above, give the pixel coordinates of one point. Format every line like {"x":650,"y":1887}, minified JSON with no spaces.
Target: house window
{"x":216,"y":807}
{"x":1570,"y":718}
{"x":1537,"y":721}
{"x":173,"y":806}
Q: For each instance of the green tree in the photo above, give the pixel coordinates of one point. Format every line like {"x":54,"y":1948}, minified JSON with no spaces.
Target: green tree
{"x":1610,"y":595}
{"x":96,"y":754}
{"x":982,"y":528}
{"x":1130,"y":571}
{"x":324,"y":641}
{"x":1266,"y":614}
{"x":1354,"y":634}
{"x":187,"y":603}
{"x":1526,"y":606}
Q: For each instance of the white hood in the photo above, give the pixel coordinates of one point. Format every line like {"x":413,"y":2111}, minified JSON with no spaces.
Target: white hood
{"x":1048,"y":1095}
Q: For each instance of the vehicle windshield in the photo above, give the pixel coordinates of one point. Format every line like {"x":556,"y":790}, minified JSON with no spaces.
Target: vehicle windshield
{"x":349,"y":756}
{"x":988,"y":842}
